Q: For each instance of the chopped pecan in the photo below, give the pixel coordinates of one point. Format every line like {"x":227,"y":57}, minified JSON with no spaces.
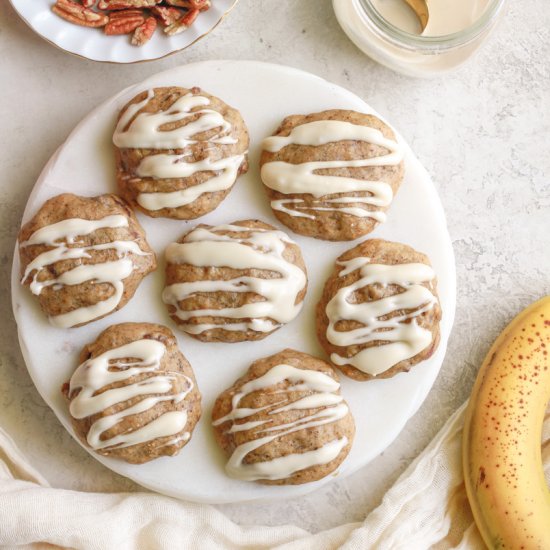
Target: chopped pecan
{"x":126,"y":4}
{"x":124,"y":23}
{"x":166,"y":15}
{"x":144,"y":32}
{"x":88,"y":3}
{"x":182,"y":23}
{"x":78,"y":14}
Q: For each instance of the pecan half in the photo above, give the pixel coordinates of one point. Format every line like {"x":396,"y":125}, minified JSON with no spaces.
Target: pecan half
{"x":166,"y":15}
{"x":201,"y":5}
{"x":182,"y":23}
{"x":124,"y":23}
{"x":179,"y":3}
{"x":144,"y":32}
{"x":126,"y":4}
{"x":125,"y":14}
{"x":78,"y":14}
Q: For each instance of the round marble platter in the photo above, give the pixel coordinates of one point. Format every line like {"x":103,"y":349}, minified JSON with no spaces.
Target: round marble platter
{"x":94,"y":44}
{"x":265,"y":94}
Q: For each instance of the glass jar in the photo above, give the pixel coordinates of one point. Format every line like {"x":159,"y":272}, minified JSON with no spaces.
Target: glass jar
{"x":412,"y":54}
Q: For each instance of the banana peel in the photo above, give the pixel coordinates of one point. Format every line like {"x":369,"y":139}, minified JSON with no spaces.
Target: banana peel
{"x":502,"y":458}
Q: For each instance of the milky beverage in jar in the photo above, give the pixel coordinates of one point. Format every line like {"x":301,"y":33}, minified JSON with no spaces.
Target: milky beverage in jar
{"x":389,"y":32}
{"x":446,"y":16}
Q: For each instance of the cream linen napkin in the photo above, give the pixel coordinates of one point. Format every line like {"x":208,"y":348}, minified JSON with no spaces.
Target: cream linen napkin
{"x":425,"y":509}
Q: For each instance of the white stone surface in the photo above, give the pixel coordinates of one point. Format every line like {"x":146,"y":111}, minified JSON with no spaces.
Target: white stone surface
{"x":482,"y":132}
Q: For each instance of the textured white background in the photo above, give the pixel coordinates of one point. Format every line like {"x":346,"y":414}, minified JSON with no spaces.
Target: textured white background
{"x":482,"y":132}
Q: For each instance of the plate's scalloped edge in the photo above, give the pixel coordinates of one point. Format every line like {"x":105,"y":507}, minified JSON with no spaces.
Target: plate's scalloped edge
{"x":113,"y":61}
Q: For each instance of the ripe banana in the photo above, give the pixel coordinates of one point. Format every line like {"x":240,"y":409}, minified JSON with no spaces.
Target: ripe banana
{"x":502,"y":458}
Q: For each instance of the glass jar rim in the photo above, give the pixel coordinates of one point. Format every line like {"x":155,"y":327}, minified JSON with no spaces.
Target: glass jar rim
{"x":446,"y":41}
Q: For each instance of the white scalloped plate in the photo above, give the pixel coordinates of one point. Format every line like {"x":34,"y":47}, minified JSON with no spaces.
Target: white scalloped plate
{"x":95,"y":45}
{"x":264,"y":94}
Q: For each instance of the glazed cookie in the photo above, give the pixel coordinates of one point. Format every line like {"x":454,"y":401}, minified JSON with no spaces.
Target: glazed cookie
{"x":83,"y":257}
{"x":284,"y":422}
{"x":134,"y":395}
{"x":379,"y":314}
{"x":178,"y":151}
{"x":331,"y":175}
{"x":234,"y":282}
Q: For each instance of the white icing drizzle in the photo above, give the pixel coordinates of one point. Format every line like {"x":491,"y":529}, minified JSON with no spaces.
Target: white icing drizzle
{"x":406,"y":339}
{"x":170,"y":166}
{"x":288,"y":178}
{"x":61,"y":234}
{"x":119,"y":365}
{"x":260,"y":249}
{"x":145,"y":131}
{"x":323,"y":404}
{"x":280,"y":205}
{"x":258,"y":325}
{"x":174,"y":441}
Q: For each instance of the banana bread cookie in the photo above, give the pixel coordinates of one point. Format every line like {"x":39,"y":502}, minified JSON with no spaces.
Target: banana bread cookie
{"x":284,"y":422}
{"x":134,"y":395}
{"x":379,"y":314}
{"x":83,"y":257}
{"x":234,"y":282}
{"x":332,"y":175}
{"x":178,"y":151}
